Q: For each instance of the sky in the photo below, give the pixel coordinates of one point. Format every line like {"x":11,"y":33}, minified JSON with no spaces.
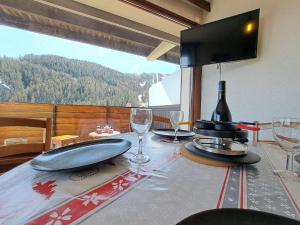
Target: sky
{"x":16,"y":42}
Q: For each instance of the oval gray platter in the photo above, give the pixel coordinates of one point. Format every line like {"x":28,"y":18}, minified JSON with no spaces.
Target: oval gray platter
{"x":170,"y":133}
{"x":80,"y":156}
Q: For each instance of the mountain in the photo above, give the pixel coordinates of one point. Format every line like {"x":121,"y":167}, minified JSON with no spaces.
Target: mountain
{"x":59,"y":80}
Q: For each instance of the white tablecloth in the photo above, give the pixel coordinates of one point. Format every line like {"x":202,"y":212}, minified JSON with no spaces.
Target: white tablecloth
{"x":162,"y":192}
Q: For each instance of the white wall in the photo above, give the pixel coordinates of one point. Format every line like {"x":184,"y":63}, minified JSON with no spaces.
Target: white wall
{"x":185,"y":98}
{"x":166,"y":92}
{"x":268,"y":86}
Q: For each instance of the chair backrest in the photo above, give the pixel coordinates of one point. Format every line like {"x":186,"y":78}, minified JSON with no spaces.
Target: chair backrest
{"x":20,"y":150}
{"x":262,"y":127}
{"x":160,"y":122}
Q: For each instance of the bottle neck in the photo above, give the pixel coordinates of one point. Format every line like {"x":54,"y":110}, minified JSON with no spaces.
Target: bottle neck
{"x":221,"y":95}
{"x":222,"y":90}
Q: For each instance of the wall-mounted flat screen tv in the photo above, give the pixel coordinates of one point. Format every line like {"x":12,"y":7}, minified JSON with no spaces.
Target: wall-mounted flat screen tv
{"x":230,"y":39}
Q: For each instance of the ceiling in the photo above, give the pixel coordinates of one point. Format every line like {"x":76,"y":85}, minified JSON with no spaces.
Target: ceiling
{"x":148,"y":28}
{"x":130,"y":12}
{"x":122,"y":8}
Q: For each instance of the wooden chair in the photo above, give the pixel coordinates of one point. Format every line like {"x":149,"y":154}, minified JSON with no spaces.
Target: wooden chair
{"x":63,"y":140}
{"x":262,"y":126}
{"x":162,"y":122}
{"x":12,"y":155}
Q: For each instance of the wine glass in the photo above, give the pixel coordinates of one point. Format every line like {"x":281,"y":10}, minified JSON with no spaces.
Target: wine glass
{"x":140,"y":120}
{"x":286,"y":132}
{"x":175,"y":118}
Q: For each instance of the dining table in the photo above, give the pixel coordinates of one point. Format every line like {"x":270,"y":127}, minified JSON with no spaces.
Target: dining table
{"x":162,"y":192}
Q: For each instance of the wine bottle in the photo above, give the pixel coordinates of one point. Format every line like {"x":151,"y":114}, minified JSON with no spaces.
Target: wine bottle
{"x":222,"y":112}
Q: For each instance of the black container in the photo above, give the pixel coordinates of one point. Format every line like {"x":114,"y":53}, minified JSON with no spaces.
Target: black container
{"x":237,"y":217}
{"x":204,"y":124}
{"x":222,"y":112}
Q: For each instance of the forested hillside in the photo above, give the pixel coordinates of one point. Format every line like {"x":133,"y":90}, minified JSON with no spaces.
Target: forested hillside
{"x":54,"y":79}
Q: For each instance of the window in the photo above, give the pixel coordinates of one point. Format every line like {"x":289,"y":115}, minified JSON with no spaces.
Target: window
{"x":37,"y":68}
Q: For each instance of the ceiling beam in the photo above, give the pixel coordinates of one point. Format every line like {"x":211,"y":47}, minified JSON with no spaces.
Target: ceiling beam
{"x":160,"y":50}
{"x":101,"y":15}
{"x":161,"y":12}
{"x":201,"y":4}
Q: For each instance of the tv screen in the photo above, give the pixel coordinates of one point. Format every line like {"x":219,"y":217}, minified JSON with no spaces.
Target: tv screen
{"x":230,"y":39}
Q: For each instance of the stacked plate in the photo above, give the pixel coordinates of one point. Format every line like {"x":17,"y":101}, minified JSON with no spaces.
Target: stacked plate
{"x":170,"y":133}
{"x":222,"y":150}
{"x":224,"y":147}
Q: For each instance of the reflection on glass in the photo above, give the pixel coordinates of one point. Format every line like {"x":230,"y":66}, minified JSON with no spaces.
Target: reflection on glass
{"x":286,"y":132}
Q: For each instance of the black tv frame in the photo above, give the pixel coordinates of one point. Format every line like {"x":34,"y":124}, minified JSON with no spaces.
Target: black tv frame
{"x":254,"y":13}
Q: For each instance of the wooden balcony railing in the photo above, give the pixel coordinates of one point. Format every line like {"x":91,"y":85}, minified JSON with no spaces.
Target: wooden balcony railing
{"x":72,"y":119}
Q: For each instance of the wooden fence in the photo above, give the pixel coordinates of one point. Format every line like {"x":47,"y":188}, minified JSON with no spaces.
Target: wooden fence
{"x":78,"y":120}
{"x":67,"y":119}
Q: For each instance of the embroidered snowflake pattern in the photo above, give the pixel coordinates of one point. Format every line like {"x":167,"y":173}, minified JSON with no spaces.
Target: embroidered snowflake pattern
{"x":119,"y":185}
{"x":93,"y":198}
{"x":265,"y":192}
{"x":57,"y":219}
